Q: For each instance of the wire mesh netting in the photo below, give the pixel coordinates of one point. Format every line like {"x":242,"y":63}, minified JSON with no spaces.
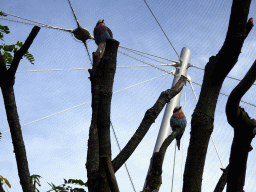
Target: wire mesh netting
{"x":57,"y":145}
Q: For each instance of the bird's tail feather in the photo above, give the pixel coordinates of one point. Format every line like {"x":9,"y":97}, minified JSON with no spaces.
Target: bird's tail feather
{"x":178,"y":144}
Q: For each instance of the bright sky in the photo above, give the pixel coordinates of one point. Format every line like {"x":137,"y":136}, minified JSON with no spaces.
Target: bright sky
{"x":57,"y":146}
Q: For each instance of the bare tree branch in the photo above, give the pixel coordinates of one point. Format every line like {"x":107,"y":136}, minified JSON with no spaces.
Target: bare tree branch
{"x":110,"y":173}
{"x":154,"y":179}
{"x":19,"y":54}
{"x":92,"y":163}
{"x":106,"y":69}
{"x":232,"y":107}
{"x":6,"y":83}
{"x":216,"y":71}
{"x":222,"y":181}
{"x":243,"y":132}
{"x":149,"y":118}
{"x":102,"y":78}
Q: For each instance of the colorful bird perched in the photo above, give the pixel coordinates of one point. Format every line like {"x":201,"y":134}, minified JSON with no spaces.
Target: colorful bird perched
{"x":101,"y":32}
{"x":178,"y":119}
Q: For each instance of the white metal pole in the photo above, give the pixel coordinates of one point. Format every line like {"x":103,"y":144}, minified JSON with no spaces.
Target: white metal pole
{"x":165,"y":128}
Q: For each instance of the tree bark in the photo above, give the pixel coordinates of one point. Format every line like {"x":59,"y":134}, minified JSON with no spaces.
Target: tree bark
{"x":243,"y":132}
{"x":92,"y":164}
{"x":149,"y":118}
{"x":110,"y":173}
{"x":102,"y":78}
{"x":222,"y":181}
{"x":154,"y":179}
{"x":6,"y":83}
{"x":216,"y":71}
{"x":106,"y":69}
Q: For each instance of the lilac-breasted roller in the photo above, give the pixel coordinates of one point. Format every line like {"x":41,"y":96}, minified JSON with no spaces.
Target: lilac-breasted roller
{"x":101,"y":32}
{"x":178,"y":119}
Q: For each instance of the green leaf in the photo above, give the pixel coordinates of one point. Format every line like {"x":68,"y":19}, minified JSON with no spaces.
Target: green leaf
{"x":35,"y":176}
{"x":29,"y":57}
{"x":2,"y":14}
{"x":3,"y":29}
{"x":76,"y":181}
{"x":9,"y":48}
{"x":19,"y":44}
{"x":7,"y":59}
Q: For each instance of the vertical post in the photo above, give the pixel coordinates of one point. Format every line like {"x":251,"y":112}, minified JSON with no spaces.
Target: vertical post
{"x":165,"y":128}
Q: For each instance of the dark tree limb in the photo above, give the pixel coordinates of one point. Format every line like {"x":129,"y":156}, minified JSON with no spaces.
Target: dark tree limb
{"x":243,"y":132}
{"x":110,"y":173}
{"x":6,"y":83}
{"x":19,"y":54}
{"x":154,"y":179}
{"x":106,"y":69}
{"x":216,"y":71}
{"x":92,"y":163}
{"x":232,"y":107}
{"x":149,"y":118}
{"x":101,"y":76}
{"x":97,"y":56}
{"x":222,"y":181}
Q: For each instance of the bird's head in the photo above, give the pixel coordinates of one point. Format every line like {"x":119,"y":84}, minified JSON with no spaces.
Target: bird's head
{"x":100,"y":21}
{"x":176,"y":109}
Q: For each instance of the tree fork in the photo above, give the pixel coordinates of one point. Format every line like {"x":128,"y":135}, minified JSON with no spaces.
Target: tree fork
{"x":102,"y":78}
{"x":148,"y":119}
{"x":243,"y":127}
{"x":216,"y":71}
{"x":6,"y":82}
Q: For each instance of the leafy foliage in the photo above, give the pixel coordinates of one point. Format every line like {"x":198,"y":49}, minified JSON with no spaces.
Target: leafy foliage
{"x":3,"y":29}
{"x":64,"y":188}
{"x":5,"y":181}
{"x":35,"y":180}
{"x":8,"y":50}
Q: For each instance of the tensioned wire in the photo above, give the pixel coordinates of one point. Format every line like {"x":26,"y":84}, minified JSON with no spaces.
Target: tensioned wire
{"x":227,"y":76}
{"x":133,"y":50}
{"x":38,"y":24}
{"x":173,"y":171}
{"x":147,"y":57}
{"x":226,"y":94}
{"x":130,"y":67}
{"x":91,"y":63}
{"x":73,"y":12}
{"x":120,"y":151}
{"x":73,"y":69}
{"x":182,"y":147}
{"x":166,"y":71}
{"x":211,"y":135}
{"x":112,"y":125}
{"x":221,"y":93}
{"x":70,"y":30}
{"x":85,"y":44}
{"x":162,"y":30}
{"x":151,"y":58}
{"x":90,"y":101}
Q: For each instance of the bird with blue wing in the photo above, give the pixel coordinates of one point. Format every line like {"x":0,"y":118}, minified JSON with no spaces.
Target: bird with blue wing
{"x":101,"y":32}
{"x":178,"y":119}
